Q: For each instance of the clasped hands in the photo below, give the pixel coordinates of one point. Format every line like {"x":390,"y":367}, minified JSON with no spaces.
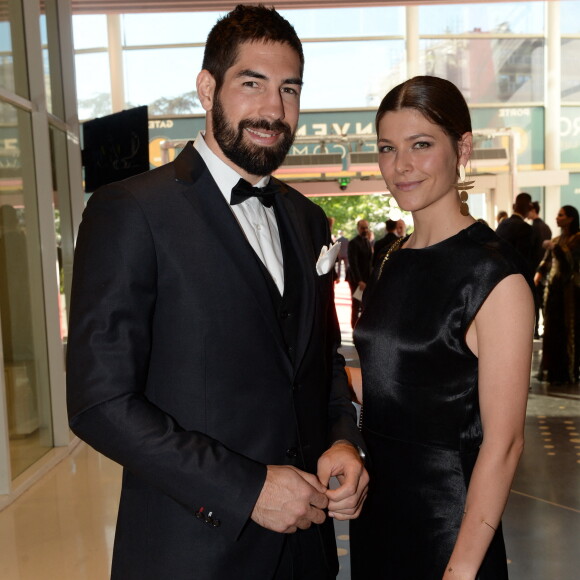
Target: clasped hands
{"x":292,"y":499}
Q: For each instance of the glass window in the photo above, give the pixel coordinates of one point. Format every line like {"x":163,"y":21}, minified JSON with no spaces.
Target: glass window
{"x":62,"y":217}
{"x":13,"y":72}
{"x":351,"y":74}
{"x":172,"y":28}
{"x":516,"y":17}
{"x":570,"y":138}
{"x":570,"y":79}
{"x":93,"y":85}
{"x":155,"y":74}
{"x":347,"y":22}
{"x":22,"y":319}
{"x":6,"y":56}
{"x":90,"y":31}
{"x":569,"y":21}
{"x":46,"y":61}
{"x":488,"y":70}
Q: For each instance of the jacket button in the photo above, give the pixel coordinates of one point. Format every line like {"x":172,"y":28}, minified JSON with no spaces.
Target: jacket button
{"x":291,"y":453}
{"x":284,"y":314}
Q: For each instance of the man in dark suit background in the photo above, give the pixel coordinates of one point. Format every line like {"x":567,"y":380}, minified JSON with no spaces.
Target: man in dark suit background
{"x":382,"y":246}
{"x":360,"y":256}
{"x":342,"y":261}
{"x":202,"y":351}
{"x":519,"y":233}
{"x":543,"y":233}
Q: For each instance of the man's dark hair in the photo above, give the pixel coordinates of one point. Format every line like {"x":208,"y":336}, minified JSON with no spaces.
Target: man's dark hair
{"x":536,"y":207}
{"x":241,"y":25}
{"x":523,"y":203}
{"x":391,"y":225}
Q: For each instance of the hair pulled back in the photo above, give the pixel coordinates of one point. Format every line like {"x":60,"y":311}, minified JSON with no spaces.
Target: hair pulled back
{"x":439,"y":100}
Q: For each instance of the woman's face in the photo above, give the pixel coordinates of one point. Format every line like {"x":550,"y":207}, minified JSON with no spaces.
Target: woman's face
{"x":418,"y":160}
{"x":562,"y":219}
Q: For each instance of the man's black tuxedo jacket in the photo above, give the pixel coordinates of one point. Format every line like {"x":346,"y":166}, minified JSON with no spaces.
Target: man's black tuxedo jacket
{"x":177,"y":369}
{"x":521,"y":236}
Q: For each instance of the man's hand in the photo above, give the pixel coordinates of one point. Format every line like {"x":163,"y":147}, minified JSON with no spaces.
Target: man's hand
{"x":343,"y":462}
{"x":290,"y":499}
{"x":362,"y":286}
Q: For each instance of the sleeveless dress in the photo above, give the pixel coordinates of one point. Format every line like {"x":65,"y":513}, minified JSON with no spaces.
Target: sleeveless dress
{"x":421,"y":419}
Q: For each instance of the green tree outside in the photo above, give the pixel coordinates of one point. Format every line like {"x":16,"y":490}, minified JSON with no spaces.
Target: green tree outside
{"x":347,"y":210}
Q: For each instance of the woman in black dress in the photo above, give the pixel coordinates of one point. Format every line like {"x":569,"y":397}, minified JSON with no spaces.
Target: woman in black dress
{"x":561,"y":268}
{"x":445,"y":345}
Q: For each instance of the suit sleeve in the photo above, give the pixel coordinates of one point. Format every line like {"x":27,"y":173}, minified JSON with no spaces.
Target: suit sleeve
{"x":109,"y":346}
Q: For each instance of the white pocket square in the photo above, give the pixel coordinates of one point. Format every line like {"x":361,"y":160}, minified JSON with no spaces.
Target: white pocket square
{"x":327,"y":258}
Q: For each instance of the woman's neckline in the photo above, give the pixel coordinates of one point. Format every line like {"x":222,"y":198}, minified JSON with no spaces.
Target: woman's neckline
{"x":442,"y":242}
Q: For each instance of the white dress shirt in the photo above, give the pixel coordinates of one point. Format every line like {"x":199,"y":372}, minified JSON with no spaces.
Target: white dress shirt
{"x":257,"y":221}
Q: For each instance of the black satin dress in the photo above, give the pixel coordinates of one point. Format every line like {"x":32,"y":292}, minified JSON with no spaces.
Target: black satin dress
{"x":421,"y":419}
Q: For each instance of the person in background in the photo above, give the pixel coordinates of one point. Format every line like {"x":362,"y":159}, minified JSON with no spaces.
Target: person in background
{"x":342,"y":261}
{"x":445,"y":344}
{"x":382,"y":245}
{"x":360,"y":256}
{"x":560,"y":271}
{"x":331,"y":221}
{"x":518,"y":232}
{"x":202,"y":352}
{"x":401,"y":228}
{"x":501,"y":215}
{"x":543,"y":234}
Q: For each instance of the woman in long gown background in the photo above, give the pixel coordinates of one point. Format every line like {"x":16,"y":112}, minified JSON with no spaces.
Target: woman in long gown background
{"x":445,"y":345}
{"x":561,"y":269}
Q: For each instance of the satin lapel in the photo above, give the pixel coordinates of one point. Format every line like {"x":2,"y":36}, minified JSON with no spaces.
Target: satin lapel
{"x":207,"y":201}
{"x":299,"y":243}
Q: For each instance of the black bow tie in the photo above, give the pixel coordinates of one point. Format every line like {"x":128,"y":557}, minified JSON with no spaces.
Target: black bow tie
{"x":244,"y":190}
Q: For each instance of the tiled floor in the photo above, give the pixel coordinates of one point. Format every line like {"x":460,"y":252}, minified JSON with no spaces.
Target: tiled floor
{"x":63,"y":527}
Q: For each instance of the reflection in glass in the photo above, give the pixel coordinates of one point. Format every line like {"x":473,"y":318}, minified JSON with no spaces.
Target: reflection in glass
{"x":89,"y":31}
{"x":171,"y":28}
{"x":21,"y":297}
{"x":61,"y":191}
{"x":351,"y":74}
{"x":489,"y":70}
{"x":93,"y":85}
{"x":569,"y":21}
{"x":150,"y":75}
{"x":45,"y":60}
{"x":6,"y":59}
{"x":514,"y":17}
{"x":347,"y":22}
{"x":570,"y":78}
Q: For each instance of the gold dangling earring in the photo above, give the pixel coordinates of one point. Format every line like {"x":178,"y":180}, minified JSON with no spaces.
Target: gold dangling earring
{"x":462,"y":186}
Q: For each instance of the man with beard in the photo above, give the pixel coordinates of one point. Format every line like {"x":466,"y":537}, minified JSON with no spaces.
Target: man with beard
{"x":202,"y":351}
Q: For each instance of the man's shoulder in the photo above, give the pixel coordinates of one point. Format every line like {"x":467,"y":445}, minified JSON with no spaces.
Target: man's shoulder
{"x":513,"y":224}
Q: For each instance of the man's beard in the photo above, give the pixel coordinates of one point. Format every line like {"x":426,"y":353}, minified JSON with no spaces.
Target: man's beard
{"x":252,"y":158}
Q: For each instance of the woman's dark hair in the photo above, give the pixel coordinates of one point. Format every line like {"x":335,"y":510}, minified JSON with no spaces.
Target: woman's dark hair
{"x":439,"y":100}
{"x":245,"y":24}
{"x":572,"y":212}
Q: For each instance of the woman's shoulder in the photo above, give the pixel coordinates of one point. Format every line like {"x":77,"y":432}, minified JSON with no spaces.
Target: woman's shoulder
{"x":494,"y":254}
